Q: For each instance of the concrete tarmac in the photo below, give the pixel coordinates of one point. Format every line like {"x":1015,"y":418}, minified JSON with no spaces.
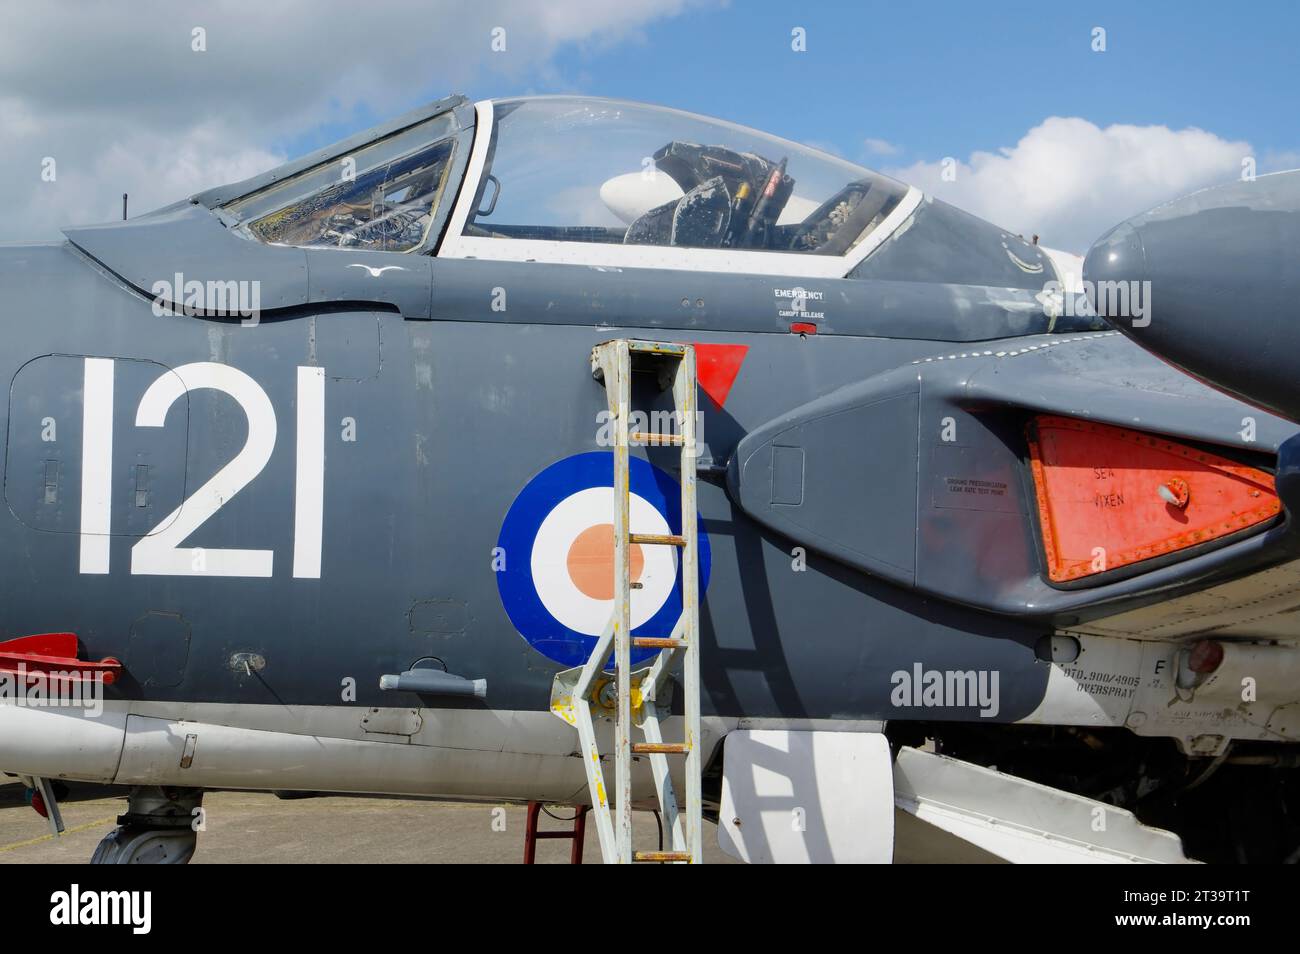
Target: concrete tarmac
{"x":258,"y":828}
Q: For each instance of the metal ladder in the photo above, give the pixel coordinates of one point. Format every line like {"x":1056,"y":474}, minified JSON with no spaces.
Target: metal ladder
{"x":641,"y":697}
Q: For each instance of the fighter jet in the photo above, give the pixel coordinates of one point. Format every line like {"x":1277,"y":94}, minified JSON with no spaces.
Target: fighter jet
{"x":490,"y":452}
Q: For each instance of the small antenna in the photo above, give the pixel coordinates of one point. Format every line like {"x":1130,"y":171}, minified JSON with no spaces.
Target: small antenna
{"x":123,"y":206}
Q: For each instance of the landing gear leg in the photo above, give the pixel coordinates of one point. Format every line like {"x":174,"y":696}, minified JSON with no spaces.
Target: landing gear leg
{"x":161,"y":827}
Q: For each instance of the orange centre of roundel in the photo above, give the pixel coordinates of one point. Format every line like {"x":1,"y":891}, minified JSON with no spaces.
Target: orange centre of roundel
{"x":591,"y":562}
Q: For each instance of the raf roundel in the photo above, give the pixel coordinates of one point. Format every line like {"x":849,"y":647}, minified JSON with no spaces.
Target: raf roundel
{"x":558,"y":540}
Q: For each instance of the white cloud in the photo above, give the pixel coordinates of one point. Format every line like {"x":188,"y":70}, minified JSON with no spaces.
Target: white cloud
{"x":1068,"y":180}
{"x":121,"y":101}
{"x":881,"y":147}
{"x":95,"y":162}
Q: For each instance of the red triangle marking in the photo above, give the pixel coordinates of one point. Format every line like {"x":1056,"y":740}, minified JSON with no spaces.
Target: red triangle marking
{"x":716,"y":366}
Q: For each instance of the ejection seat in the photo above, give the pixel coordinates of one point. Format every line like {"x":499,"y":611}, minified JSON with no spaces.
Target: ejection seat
{"x":699,"y":219}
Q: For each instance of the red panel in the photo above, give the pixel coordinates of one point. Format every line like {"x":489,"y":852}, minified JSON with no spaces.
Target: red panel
{"x":1109,"y":497}
{"x":716,"y":367}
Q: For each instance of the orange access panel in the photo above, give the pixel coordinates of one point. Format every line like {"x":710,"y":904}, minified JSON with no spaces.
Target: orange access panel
{"x":1109,"y":497}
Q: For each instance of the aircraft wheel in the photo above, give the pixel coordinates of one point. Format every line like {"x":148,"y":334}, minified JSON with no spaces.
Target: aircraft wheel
{"x":137,"y":845}
{"x":159,"y":828}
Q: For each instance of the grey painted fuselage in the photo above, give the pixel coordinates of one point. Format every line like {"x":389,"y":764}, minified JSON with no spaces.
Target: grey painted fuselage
{"x":439,"y":409}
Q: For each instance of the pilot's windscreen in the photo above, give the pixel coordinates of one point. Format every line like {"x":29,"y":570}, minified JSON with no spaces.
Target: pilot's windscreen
{"x":382,"y":198}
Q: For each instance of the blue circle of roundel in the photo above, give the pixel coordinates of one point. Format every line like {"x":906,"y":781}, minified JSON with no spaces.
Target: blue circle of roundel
{"x":543,"y":493}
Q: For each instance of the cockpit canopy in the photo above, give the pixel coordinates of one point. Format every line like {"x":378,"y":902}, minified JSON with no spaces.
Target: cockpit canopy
{"x":576,"y":170}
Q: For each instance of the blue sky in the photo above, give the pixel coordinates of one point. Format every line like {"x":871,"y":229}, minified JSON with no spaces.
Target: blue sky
{"x":935,"y":79}
{"x":948,"y":78}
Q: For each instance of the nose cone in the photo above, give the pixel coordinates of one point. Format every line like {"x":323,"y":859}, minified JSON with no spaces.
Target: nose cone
{"x":1118,"y":256}
{"x":1211,"y":283}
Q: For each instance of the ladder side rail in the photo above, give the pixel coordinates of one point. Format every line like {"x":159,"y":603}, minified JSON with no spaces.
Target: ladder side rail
{"x":604,"y":360}
{"x":686,"y":394}
{"x":622,"y":608}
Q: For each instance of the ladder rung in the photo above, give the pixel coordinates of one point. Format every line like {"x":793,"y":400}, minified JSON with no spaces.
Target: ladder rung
{"x":660,"y":748}
{"x":656,"y":347}
{"x":657,"y":642}
{"x":676,"y":440}
{"x":661,"y":856}
{"x":657,"y":539}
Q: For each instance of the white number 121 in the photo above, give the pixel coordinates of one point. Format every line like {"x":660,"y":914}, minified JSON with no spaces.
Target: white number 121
{"x":159,"y":553}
